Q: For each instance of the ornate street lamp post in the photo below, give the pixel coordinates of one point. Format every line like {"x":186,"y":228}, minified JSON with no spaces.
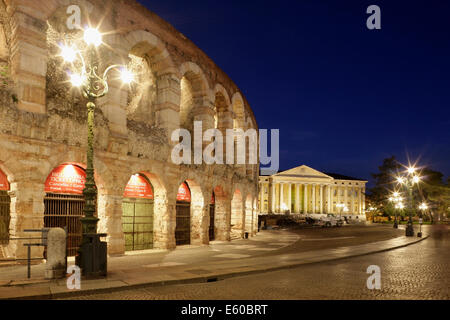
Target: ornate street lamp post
{"x":84,"y":74}
{"x":408,"y":181}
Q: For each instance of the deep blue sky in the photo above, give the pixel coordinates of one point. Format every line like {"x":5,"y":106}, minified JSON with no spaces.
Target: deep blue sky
{"x":344,"y":97}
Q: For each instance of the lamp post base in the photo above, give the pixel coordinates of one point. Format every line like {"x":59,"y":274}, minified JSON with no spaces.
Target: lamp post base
{"x":410,"y":230}
{"x":395,"y":224}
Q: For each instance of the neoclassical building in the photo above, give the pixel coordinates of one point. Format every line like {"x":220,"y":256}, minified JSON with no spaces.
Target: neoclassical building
{"x":144,"y":200}
{"x":304,"y":190}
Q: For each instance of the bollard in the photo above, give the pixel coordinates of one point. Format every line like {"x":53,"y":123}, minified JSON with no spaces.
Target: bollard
{"x":56,"y":254}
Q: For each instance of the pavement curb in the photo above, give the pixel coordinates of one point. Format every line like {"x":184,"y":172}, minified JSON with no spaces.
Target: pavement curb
{"x":202,"y":279}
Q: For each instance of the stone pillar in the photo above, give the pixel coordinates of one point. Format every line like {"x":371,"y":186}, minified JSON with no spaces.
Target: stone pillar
{"x":109,"y":208}
{"x":29,"y":58}
{"x":167,"y":107}
{"x":290,"y":197}
{"x":305,"y":202}
{"x":330,"y":198}
{"x":273,"y":200}
{"x":359,"y":201}
{"x":346,"y":196}
{"x":56,"y":265}
{"x":297,"y":198}
{"x":27,"y":212}
{"x":321,"y":199}
{"x":352,"y":199}
{"x":363,"y":211}
{"x":281,"y":196}
{"x":222,"y":218}
{"x":313,"y":190}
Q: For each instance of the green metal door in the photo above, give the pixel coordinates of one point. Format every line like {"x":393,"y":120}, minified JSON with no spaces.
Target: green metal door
{"x":138,"y":224}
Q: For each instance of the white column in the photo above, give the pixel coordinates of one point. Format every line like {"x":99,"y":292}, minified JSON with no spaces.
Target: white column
{"x":352,"y":199}
{"x":321,"y":199}
{"x":305,"y":200}
{"x":330,"y":202}
{"x":363,"y":211}
{"x":297,"y":198}
{"x":290,"y":197}
{"x":281,"y":196}
{"x":359,"y":201}
{"x":346,"y":196}
{"x":313,"y":198}
{"x":273,"y":200}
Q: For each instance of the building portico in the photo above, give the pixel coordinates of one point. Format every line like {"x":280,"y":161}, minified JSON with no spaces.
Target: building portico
{"x":304,"y":190}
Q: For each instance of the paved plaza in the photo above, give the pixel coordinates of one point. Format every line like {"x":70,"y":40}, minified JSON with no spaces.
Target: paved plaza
{"x":419,"y":271}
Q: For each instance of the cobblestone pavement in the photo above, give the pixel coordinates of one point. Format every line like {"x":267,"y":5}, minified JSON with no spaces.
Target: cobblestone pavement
{"x":420,"y":271}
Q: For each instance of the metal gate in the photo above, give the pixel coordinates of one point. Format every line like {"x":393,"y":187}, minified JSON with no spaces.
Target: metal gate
{"x":183,"y":228}
{"x":212,"y":214}
{"x":65,"y":211}
{"x":138,"y":224}
{"x":5,"y":216}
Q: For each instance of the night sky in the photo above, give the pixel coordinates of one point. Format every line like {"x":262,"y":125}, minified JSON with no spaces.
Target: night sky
{"x":344,"y":97}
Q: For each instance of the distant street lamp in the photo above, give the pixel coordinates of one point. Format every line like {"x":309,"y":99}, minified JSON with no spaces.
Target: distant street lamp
{"x":423,"y":207}
{"x":409,"y":180}
{"x":397,"y":200}
{"x":80,"y":56}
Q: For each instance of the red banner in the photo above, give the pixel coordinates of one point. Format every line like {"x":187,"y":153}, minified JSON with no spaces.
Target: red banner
{"x":138,"y":187}
{"x":184,"y":194}
{"x":213,"y":199}
{"x":66,"y":179}
{"x":4,"y":184}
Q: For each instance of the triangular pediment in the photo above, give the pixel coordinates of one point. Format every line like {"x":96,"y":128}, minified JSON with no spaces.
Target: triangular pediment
{"x":303,"y":171}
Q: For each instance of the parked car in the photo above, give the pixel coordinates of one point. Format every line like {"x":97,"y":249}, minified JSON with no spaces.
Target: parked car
{"x":330,"y":221}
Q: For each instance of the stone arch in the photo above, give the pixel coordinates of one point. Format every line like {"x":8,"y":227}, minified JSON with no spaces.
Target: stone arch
{"x":195,"y":97}
{"x":222,"y":108}
{"x":238,"y":111}
{"x":162,"y":235}
{"x":237,"y":215}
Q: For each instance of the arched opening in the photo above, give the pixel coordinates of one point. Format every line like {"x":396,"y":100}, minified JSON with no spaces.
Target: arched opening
{"x":237,"y":216}
{"x":143,"y":91}
{"x":249,"y":215}
{"x":5,"y":207}
{"x":64,"y":202}
{"x":212,"y":217}
{"x":138,"y":213}
{"x":183,"y":215}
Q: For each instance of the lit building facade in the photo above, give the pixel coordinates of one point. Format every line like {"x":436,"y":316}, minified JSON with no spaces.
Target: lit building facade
{"x":304,"y":190}
{"x":144,"y":200}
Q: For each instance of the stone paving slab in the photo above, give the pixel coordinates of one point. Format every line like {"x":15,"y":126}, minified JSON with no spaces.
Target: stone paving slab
{"x":170,"y":274}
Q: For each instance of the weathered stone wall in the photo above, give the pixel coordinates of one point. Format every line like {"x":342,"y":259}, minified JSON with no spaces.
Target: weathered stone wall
{"x":43,"y":120}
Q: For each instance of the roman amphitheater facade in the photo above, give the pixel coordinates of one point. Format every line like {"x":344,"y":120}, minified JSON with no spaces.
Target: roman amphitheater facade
{"x":43,"y":126}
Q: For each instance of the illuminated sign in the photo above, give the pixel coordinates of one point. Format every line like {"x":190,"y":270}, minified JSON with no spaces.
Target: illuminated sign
{"x":184,"y":194}
{"x":138,"y":187}
{"x":4,"y":184}
{"x":68,"y":179}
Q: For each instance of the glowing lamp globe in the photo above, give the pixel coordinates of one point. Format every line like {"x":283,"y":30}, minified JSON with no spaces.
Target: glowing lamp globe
{"x":92,"y":37}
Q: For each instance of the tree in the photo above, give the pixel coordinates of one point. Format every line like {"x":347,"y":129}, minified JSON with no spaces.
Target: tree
{"x":384,"y":182}
{"x":435,"y":192}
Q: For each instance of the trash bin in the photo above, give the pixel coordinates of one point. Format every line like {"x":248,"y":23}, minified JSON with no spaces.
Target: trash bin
{"x":93,"y":256}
